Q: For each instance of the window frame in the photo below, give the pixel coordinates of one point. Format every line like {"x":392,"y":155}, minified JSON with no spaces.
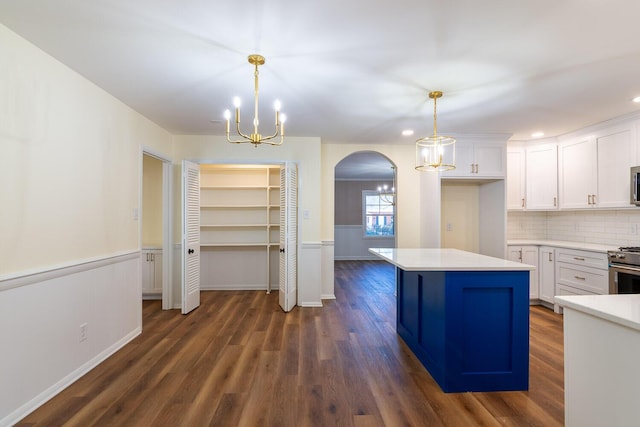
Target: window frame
{"x":370,"y":193}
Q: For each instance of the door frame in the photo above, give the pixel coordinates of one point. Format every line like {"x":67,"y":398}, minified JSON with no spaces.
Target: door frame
{"x":277,"y":162}
{"x":167,"y":221}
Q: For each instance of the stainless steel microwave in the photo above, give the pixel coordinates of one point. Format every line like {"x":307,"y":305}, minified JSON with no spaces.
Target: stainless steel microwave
{"x":635,"y":185}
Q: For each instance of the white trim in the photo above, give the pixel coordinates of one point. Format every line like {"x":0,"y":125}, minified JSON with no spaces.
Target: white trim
{"x":310,"y":304}
{"x":25,"y":278}
{"x":167,"y":234}
{"x":356,"y":258}
{"x":239,"y":287}
{"x":40,"y":399}
{"x":327,"y":274}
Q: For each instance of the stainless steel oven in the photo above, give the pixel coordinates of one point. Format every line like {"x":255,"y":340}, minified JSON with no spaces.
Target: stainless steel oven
{"x":624,"y":271}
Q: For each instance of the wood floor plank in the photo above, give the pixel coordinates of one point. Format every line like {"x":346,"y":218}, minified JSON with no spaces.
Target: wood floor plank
{"x":239,"y":360}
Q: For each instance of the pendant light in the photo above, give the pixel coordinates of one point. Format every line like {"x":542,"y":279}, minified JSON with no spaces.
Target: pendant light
{"x":435,"y":152}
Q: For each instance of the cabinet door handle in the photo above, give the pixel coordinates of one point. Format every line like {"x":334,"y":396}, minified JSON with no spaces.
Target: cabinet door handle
{"x":555,"y":202}
{"x":580,"y":278}
{"x":520,"y":255}
{"x":578,"y":258}
{"x":593,"y":199}
{"x":589,"y":199}
{"x":550,"y":260}
{"x":476,"y":168}
{"x":472,"y":169}
{"x":523,"y":202}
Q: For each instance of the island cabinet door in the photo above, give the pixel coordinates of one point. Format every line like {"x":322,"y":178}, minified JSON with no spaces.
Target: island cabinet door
{"x":470,"y":329}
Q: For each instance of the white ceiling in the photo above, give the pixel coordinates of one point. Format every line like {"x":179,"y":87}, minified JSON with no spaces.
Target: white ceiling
{"x":352,"y":71}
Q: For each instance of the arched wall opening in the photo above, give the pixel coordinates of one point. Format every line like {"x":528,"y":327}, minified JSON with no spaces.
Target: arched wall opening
{"x":364,"y":217}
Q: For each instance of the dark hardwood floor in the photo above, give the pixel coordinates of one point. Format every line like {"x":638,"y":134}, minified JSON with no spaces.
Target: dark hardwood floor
{"x":238,"y":360}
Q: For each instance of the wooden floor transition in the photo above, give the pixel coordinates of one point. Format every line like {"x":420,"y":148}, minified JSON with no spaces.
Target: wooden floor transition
{"x":238,"y":360}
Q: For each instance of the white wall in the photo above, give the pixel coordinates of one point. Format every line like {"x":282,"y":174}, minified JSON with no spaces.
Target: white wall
{"x":69,"y":163}
{"x":460,"y":227}
{"x":70,"y":173}
{"x":418,"y":194}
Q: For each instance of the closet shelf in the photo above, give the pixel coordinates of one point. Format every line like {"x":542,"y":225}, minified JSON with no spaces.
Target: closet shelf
{"x":239,"y":225}
{"x":232,"y":187}
{"x":237,"y":206}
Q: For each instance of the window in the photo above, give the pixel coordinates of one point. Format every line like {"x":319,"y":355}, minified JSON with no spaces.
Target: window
{"x":378,"y":215}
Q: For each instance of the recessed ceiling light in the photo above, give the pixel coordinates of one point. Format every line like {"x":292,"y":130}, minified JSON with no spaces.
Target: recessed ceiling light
{"x":407,"y":132}
{"x":537,"y":134}
{"x":636,"y":99}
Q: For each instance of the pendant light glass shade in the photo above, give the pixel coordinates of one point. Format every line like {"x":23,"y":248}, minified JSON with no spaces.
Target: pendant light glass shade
{"x":435,"y":152}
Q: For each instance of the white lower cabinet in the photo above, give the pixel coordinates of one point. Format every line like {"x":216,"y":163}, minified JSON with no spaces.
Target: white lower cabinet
{"x":151,"y":266}
{"x":581,"y":272}
{"x":527,"y":255}
{"x":561,"y":271}
{"x":547,"y":274}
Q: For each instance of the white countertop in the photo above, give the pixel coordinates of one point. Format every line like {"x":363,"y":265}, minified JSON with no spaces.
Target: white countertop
{"x":421,"y":259}
{"x":563,"y":244}
{"x":623,"y":309}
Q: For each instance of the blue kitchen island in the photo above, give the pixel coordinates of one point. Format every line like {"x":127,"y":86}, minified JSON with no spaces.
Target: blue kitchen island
{"x":465,"y":316}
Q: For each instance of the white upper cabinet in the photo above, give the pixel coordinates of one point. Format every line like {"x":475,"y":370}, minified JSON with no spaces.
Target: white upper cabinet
{"x":478,"y":161}
{"x":594,"y":170}
{"x":515,"y":178}
{"x":577,"y":173}
{"x":542,"y":177}
{"x":616,"y":154}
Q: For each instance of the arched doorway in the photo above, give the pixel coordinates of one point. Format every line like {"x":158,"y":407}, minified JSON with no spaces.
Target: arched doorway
{"x":363,"y":217}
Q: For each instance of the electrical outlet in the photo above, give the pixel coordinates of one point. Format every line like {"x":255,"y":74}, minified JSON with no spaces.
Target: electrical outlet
{"x":83,"y":332}
{"x":449,"y":227}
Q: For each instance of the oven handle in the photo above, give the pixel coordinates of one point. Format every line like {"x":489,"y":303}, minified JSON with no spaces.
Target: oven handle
{"x":618,"y":267}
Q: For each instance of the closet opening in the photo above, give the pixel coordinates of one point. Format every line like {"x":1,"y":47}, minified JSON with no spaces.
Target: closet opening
{"x":239,"y":227}
{"x":247,"y":221}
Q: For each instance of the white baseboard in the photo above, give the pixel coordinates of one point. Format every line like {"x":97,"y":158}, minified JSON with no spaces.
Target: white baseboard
{"x":65,"y":382}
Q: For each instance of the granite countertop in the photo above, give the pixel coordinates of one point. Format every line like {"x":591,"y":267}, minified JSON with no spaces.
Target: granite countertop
{"x":584,"y":246}
{"x":433,"y":259}
{"x":623,"y":309}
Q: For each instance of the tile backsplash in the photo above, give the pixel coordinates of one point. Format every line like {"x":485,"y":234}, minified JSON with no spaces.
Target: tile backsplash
{"x":615,"y":227}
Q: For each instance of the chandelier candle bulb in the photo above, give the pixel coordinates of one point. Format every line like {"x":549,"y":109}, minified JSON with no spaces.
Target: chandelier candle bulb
{"x":227,"y":116}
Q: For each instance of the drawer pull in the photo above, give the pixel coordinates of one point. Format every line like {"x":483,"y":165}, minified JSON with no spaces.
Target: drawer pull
{"x":580,"y":278}
{"x":578,"y":258}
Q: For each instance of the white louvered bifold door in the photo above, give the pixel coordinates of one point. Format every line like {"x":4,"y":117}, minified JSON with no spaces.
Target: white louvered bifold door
{"x":190,"y":236}
{"x":288,"y":236}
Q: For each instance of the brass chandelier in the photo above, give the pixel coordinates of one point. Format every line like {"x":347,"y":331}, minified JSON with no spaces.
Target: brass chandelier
{"x":256,"y":138}
{"x":435,"y":152}
{"x":388,"y":196}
